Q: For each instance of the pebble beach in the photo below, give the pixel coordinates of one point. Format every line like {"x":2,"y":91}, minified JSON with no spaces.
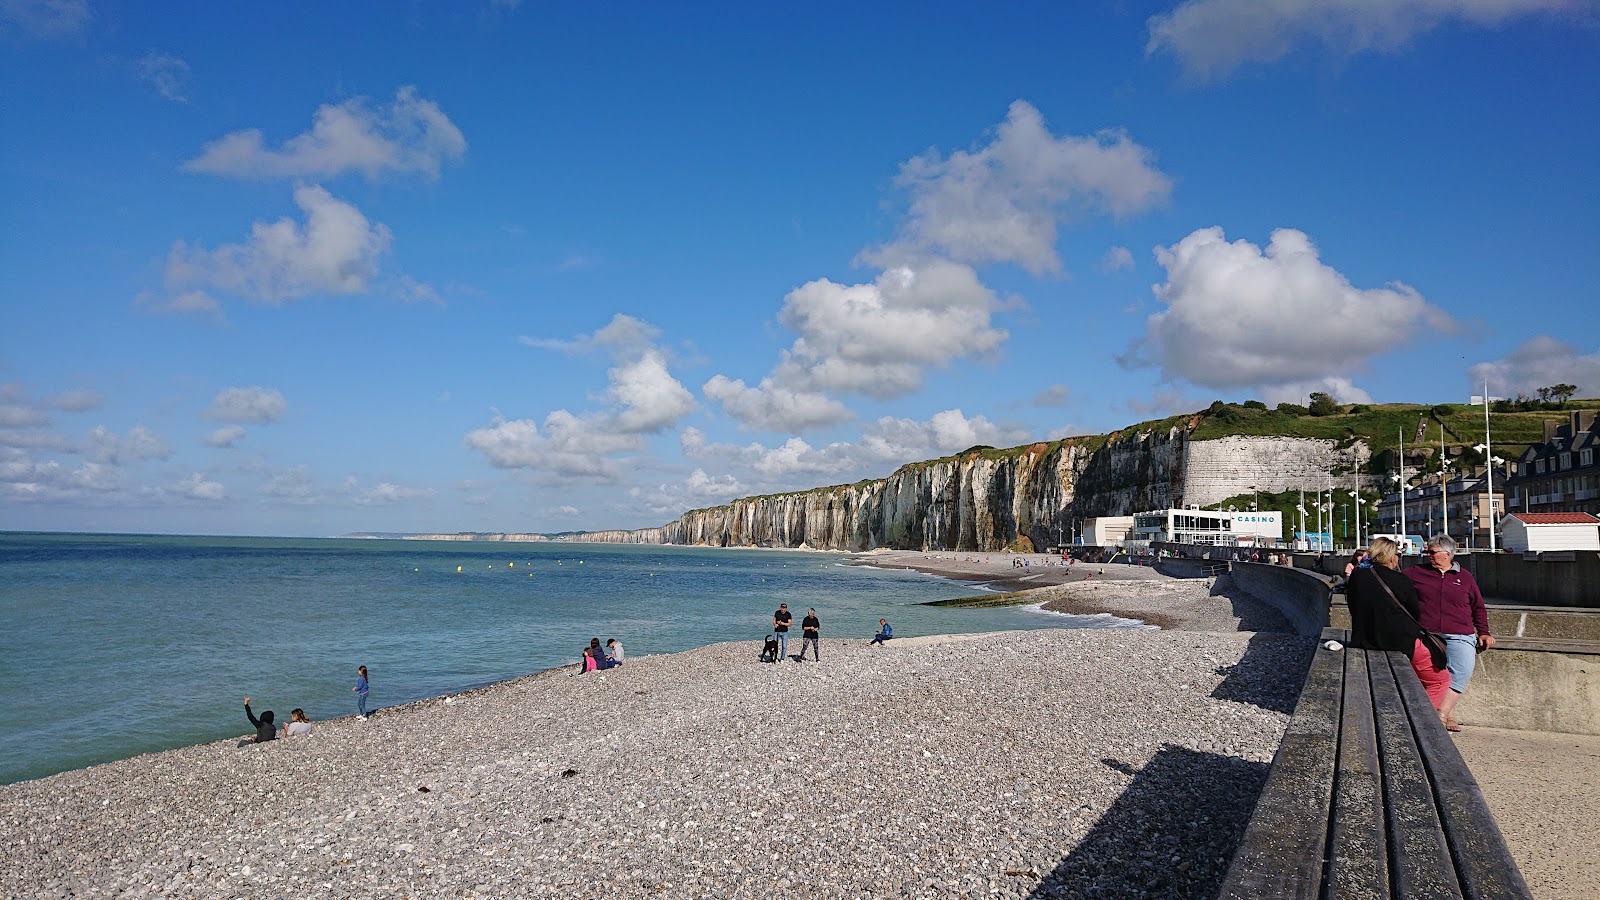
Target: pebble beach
{"x":1057,"y":763}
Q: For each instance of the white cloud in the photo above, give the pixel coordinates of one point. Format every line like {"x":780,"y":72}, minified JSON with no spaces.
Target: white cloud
{"x":36,"y":439}
{"x":46,"y":18}
{"x":192,"y":302}
{"x":140,"y":444}
{"x":168,"y":73}
{"x":650,"y":399}
{"x":1117,"y":259}
{"x":1056,"y":395}
{"x":225,"y":437}
{"x":24,"y":479}
{"x":388,"y":493}
{"x":81,"y":400}
{"x":1162,"y":403}
{"x":1340,"y":389}
{"x":1001,"y":203}
{"x":772,"y":408}
{"x":292,"y":486}
{"x":409,"y":135}
{"x":1213,"y":37}
{"x":1539,"y":362}
{"x":199,"y":487}
{"x":1235,"y":315}
{"x":337,"y":251}
{"x":879,"y":339}
{"x":247,"y":404}
{"x":17,"y":412}
{"x":696,"y":491}
{"x":643,"y":397}
{"x":563,"y":510}
{"x":883,"y":445}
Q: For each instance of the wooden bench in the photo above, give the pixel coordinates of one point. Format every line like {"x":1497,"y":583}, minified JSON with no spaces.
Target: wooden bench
{"x":1368,"y":796}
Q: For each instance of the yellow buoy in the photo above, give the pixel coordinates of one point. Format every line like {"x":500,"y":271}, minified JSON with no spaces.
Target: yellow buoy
{"x":511,"y":565}
{"x":458,"y":568}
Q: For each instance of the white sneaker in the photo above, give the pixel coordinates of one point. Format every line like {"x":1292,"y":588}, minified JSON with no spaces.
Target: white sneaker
{"x":362,"y":718}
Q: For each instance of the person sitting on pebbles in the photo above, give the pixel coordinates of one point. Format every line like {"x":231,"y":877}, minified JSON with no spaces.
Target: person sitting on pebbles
{"x":298,"y":723}
{"x":884,"y":632}
{"x":265,"y":730}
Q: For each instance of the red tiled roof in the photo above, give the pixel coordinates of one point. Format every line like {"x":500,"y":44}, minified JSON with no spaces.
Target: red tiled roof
{"x":1556,"y":518}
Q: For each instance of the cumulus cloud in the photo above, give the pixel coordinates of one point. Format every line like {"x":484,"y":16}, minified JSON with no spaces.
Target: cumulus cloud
{"x":291,"y":486}
{"x":81,"y":400}
{"x":1117,"y":259}
{"x":46,"y":18}
{"x":336,"y":251}
{"x":192,"y":302}
{"x":1235,"y":314}
{"x":883,"y":445}
{"x":1541,"y":361}
{"x":1341,"y":389}
{"x":198,"y":486}
{"x":167,"y":73}
{"x":697,"y":490}
{"x":23,"y":478}
{"x":247,"y":404}
{"x":16,"y":411}
{"x":104,"y":446}
{"x":1001,"y":202}
{"x":409,"y":135}
{"x":642,"y":398}
{"x":1162,"y":403}
{"x":388,"y":493}
{"x":225,"y":437}
{"x":770,"y":407}
{"x":1056,"y":395}
{"x":37,"y":439}
{"x":1213,"y":37}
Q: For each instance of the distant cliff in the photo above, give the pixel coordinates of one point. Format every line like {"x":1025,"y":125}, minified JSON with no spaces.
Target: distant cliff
{"x":986,"y":499}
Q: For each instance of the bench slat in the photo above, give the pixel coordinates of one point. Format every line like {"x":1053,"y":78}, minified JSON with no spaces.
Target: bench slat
{"x":1357,"y":858}
{"x":1281,"y":852}
{"x":1420,"y":860}
{"x":1482,"y":858}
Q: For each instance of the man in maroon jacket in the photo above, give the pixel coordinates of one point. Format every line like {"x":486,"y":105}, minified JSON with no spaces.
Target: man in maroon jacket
{"x":1452,"y":607}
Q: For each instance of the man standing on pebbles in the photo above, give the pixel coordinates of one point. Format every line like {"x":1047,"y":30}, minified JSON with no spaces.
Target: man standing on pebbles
{"x":780,"y":627}
{"x":810,"y":628}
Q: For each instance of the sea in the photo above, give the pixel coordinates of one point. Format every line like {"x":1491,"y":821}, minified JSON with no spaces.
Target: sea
{"x":117,"y":645}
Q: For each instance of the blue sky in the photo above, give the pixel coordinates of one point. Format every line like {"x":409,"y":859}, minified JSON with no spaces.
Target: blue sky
{"x":307,"y":269}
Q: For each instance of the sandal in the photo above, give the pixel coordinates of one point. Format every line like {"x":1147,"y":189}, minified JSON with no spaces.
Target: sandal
{"x":1452,"y":725}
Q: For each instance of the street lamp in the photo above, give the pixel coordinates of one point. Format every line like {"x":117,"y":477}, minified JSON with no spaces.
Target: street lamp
{"x":1359,"y":501}
{"x":1487,"y":449}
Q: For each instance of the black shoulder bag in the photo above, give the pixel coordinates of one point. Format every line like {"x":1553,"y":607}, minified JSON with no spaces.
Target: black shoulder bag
{"x":1433,"y":642}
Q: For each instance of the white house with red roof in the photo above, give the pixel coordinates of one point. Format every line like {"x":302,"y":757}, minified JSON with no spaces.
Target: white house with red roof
{"x":1538,"y":532}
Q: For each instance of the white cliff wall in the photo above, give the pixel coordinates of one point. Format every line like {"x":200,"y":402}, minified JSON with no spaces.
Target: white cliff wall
{"x":1231,"y":466}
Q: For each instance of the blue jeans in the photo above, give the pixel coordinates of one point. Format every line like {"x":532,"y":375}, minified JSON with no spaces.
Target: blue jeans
{"x":1462,"y":652}
{"x":783,"y":644}
{"x":361,"y":703}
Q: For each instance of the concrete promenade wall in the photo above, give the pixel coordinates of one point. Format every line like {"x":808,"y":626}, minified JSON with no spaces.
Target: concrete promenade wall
{"x":1302,"y":597}
{"x":1534,"y":690}
{"x":1555,"y":579}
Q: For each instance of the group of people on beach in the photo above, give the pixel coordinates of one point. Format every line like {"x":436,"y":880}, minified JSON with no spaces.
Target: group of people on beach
{"x":1433,"y":612}
{"x":596,"y":658}
{"x":299,"y":724}
{"x":777,"y":645}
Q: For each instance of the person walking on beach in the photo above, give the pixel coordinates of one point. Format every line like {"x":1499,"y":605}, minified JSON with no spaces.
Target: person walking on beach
{"x":780,"y":627}
{"x":884,"y":632}
{"x":810,"y":629}
{"x":615,"y":651}
{"x":265,"y":730}
{"x":298,"y":723}
{"x":361,"y":692}
{"x":1452,"y":608}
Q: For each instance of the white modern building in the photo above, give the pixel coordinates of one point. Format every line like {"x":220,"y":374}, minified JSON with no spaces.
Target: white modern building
{"x":1107,"y":531}
{"x":1539,"y":532}
{"x":1217,"y":527}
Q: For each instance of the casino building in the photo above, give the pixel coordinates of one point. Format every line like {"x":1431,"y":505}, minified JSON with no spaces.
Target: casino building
{"x":1216,"y":527}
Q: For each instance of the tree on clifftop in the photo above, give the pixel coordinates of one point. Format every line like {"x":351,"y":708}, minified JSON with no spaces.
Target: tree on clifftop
{"x":1323,"y":404}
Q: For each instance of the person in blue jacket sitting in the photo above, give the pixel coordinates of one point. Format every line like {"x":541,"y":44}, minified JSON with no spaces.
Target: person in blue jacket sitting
{"x":884,"y":632}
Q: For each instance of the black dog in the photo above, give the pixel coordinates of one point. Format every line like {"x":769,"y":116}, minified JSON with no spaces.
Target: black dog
{"x":769,"y":651}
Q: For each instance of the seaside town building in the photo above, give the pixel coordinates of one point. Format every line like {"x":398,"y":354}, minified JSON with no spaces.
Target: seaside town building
{"x":1562,"y":474}
{"x":1463,"y":504}
{"x":1216,"y":527}
{"x":1546,"y":532}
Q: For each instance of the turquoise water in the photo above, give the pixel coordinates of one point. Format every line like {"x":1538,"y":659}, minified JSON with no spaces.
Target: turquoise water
{"x":123,"y":644}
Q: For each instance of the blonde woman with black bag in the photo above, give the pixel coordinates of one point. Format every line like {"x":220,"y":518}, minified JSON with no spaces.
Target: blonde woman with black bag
{"x":1383,"y":616}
